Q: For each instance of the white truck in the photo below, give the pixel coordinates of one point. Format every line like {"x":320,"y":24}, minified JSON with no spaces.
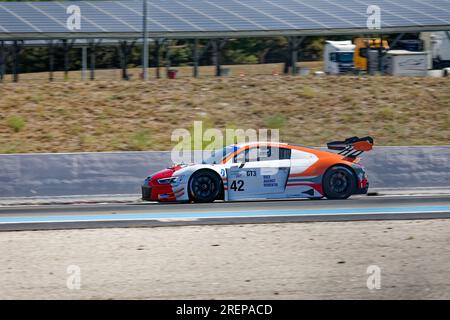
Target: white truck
{"x":438,"y":44}
{"x":338,"y":56}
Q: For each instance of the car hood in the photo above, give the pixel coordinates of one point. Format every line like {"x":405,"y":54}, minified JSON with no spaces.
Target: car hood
{"x":168,"y":172}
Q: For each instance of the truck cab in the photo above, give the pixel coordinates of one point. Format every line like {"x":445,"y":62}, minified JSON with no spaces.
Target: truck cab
{"x":338,"y":57}
{"x":438,"y":44}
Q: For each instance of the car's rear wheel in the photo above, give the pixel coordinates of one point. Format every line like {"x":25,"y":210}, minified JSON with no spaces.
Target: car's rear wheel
{"x":204,"y":186}
{"x":339,"y":182}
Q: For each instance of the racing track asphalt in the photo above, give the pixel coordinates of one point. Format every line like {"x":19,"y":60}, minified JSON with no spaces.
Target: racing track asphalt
{"x":140,"y":214}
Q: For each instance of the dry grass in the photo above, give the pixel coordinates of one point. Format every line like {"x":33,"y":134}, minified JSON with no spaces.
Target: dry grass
{"x":183,"y":72}
{"x":118,"y":115}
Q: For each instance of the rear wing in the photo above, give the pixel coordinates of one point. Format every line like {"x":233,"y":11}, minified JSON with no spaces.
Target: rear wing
{"x":352,"y":147}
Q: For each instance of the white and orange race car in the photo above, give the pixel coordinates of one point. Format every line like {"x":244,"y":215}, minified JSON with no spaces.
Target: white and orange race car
{"x":265,"y":170}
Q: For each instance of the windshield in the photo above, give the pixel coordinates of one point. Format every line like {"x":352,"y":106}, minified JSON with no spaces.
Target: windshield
{"x":218,"y":155}
{"x":345,"y":57}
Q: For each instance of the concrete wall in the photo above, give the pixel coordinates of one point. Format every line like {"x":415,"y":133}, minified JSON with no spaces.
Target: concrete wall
{"x":408,"y":167}
{"x":49,"y":175}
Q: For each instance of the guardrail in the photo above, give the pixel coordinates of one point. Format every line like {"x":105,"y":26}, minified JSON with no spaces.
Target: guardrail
{"x":46,"y":175}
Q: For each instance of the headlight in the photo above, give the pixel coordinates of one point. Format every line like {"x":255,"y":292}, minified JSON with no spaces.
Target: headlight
{"x":170,"y":180}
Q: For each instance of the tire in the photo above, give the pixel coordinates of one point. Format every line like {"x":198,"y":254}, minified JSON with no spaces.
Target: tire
{"x":339,"y":183}
{"x":204,"y":186}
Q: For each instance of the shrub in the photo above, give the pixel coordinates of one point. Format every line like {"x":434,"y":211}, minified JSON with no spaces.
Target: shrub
{"x":276,"y":121}
{"x":308,"y":93}
{"x":386,"y":113}
{"x":16,"y":123}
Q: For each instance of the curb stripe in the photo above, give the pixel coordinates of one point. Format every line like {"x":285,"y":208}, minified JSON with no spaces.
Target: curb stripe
{"x":221,"y":214}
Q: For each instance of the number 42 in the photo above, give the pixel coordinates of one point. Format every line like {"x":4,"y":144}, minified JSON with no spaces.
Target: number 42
{"x":237,"y":185}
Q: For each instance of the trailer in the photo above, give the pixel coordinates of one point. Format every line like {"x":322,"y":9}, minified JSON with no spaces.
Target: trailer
{"x":405,"y":63}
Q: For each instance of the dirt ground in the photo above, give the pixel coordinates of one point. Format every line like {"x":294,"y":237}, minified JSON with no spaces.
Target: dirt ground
{"x":272,"y":261}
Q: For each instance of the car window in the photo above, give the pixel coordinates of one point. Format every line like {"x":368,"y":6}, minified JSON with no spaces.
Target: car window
{"x":285,"y":154}
{"x":333,"y":57}
{"x":263,"y":153}
{"x":217,"y":156}
{"x":275,"y":153}
{"x":266,"y":153}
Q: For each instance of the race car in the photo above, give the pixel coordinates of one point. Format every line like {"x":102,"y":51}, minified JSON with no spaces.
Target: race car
{"x":265,"y":170}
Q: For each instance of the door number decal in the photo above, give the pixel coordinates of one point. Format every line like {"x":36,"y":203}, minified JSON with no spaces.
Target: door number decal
{"x":237,"y":185}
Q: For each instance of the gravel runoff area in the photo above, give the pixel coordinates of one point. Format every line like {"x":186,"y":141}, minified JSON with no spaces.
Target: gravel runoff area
{"x":265,"y":261}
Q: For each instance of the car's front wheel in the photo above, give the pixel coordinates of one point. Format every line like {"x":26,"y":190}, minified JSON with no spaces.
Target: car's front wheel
{"x":204,"y":186}
{"x":339,"y":182}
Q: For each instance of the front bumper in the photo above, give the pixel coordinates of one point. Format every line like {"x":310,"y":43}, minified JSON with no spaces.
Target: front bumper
{"x":165,"y":193}
{"x":161,"y":194}
{"x":146,"y":193}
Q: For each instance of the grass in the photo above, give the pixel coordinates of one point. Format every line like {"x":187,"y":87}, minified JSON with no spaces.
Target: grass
{"x":134,"y":115}
{"x":276,"y":121}
{"x":183,"y":72}
{"x":16,"y":123}
{"x":386,"y":114}
{"x":140,"y":140}
{"x":308,"y":93}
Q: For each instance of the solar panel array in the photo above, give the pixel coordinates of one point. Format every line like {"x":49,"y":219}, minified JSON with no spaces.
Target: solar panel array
{"x":168,"y":17}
